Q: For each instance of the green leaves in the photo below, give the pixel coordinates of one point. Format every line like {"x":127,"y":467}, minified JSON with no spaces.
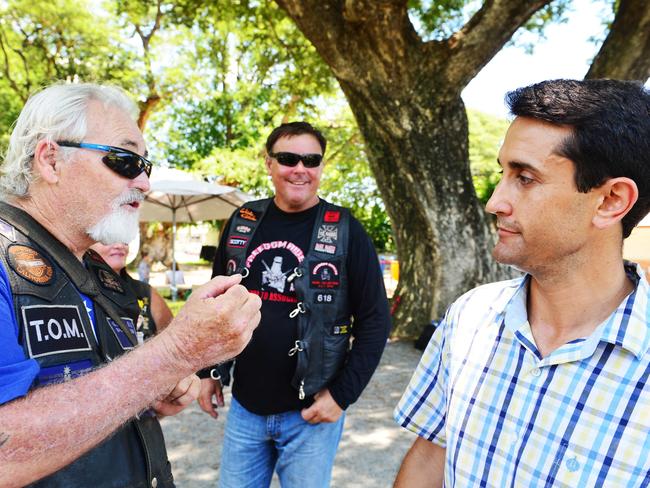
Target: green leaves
{"x":486,"y":134}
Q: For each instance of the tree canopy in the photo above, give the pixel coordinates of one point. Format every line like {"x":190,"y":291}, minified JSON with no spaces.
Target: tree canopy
{"x":382,"y":78}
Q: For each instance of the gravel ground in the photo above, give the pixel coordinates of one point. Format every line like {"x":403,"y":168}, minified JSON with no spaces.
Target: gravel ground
{"x":371,"y":449}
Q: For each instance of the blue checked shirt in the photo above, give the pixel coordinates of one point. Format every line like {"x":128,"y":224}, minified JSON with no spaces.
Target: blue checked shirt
{"x":579,"y":417}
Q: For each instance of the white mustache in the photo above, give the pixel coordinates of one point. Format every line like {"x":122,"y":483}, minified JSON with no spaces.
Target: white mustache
{"x":130,"y":196}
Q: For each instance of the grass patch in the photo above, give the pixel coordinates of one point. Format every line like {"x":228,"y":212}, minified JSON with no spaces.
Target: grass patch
{"x":175,"y":306}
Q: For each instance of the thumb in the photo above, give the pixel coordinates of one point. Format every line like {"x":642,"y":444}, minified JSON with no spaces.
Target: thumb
{"x":308,"y":413}
{"x":218,"y":285}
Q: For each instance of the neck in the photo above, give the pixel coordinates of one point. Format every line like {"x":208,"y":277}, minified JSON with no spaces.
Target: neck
{"x":50,"y":219}
{"x":285,"y":207}
{"x":568,"y":304}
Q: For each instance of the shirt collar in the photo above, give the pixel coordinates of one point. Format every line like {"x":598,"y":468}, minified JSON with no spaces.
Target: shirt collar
{"x":628,"y":326}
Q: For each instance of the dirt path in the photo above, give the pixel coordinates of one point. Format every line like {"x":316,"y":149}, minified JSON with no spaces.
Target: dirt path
{"x":370,"y":452}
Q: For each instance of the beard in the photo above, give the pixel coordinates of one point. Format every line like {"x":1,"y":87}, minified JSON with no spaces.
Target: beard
{"x":121,"y":224}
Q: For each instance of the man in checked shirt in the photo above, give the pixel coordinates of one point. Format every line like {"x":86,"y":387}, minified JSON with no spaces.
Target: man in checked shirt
{"x":542,"y":380}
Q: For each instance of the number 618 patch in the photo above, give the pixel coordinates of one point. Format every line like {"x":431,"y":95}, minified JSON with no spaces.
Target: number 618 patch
{"x":324,"y":298}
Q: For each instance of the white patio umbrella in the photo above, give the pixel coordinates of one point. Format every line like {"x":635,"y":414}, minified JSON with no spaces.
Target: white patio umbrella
{"x":177,"y":196}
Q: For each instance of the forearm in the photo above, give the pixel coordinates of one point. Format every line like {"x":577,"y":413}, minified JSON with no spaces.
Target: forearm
{"x":423,"y":466}
{"x":54,"y":425}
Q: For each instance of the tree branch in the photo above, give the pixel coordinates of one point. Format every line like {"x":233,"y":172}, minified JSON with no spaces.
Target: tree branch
{"x":484,"y":35}
{"x":380,"y":28}
{"x":7,"y":70}
{"x":625,"y":54}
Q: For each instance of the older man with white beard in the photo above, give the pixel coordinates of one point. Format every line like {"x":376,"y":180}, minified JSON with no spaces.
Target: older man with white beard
{"x":75,"y":173}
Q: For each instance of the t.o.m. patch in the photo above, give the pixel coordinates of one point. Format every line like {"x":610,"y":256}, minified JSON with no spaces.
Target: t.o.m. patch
{"x":324,"y":275}
{"x":53,"y":329}
{"x":30,"y":264}
{"x":109,"y":281}
{"x":119,"y":333}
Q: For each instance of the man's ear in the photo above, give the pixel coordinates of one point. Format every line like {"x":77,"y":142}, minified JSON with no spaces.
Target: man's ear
{"x":45,"y":161}
{"x":267,"y":163}
{"x":618,"y":196}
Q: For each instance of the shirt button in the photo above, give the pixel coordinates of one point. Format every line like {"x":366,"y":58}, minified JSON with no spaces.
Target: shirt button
{"x":536,"y":372}
{"x":573,"y":465}
{"x":154,"y":482}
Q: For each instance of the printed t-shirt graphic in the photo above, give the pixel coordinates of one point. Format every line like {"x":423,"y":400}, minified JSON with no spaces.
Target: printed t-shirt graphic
{"x":274,"y":262}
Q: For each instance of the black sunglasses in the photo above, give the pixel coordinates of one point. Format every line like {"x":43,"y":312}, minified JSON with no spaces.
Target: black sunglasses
{"x":124,"y":162}
{"x":292,"y":159}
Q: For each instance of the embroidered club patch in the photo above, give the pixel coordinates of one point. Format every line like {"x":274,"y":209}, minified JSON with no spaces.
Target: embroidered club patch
{"x":326,"y":248}
{"x":328,"y":234}
{"x":119,"y":333}
{"x":30,"y":264}
{"x":247,"y":214}
{"x":340,"y":329}
{"x":324,"y":297}
{"x":7,"y":230}
{"x":332,"y":216}
{"x":324,"y":275}
{"x":64,"y":372}
{"x":109,"y":281}
{"x":237,"y":241}
{"x":243,"y":229}
{"x":53,"y":329}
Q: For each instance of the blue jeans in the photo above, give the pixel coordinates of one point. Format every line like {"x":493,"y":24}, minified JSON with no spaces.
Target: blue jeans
{"x":255,"y":445}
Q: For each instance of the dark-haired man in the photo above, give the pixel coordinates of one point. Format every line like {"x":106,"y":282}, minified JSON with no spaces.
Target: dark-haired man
{"x":542,"y":380}
{"x":314,"y":267}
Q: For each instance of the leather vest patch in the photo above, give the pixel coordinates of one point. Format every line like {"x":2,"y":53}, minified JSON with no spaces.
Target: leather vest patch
{"x":237,"y":241}
{"x":53,"y":329}
{"x":248,"y":214}
{"x":30,"y":264}
{"x":7,"y":230}
{"x":109,"y":281}
{"x":64,"y":372}
{"x":119,"y":333}
{"x":324,"y":274}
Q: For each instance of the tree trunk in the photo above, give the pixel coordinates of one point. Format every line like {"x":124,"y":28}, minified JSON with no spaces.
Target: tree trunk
{"x":157,"y":241}
{"x":442,"y":233}
{"x":625,"y":54}
{"x":405,"y":96}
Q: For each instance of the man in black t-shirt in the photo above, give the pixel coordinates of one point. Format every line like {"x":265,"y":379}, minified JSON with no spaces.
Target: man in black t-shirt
{"x":318,"y":276}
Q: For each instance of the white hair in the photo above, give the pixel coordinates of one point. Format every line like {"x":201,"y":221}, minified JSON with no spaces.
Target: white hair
{"x":54,"y":113}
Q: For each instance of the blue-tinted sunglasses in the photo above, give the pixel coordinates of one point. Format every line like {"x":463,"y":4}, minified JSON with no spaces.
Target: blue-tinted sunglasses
{"x":124,"y":162}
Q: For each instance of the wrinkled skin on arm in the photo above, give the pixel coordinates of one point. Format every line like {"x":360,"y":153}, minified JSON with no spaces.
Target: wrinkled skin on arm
{"x":215,"y":325}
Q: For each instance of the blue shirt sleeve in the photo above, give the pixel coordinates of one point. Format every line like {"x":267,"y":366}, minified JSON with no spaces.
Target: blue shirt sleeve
{"x":16,"y":371}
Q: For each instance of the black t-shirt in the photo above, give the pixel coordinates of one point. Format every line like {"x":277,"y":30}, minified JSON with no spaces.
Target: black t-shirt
{"x":263,"y":371}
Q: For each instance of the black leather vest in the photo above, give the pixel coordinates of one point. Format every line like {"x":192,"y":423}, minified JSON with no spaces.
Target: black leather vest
{"x":321,"y":285}
{"x":145,"y":323}
{"x":55,"y":330}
